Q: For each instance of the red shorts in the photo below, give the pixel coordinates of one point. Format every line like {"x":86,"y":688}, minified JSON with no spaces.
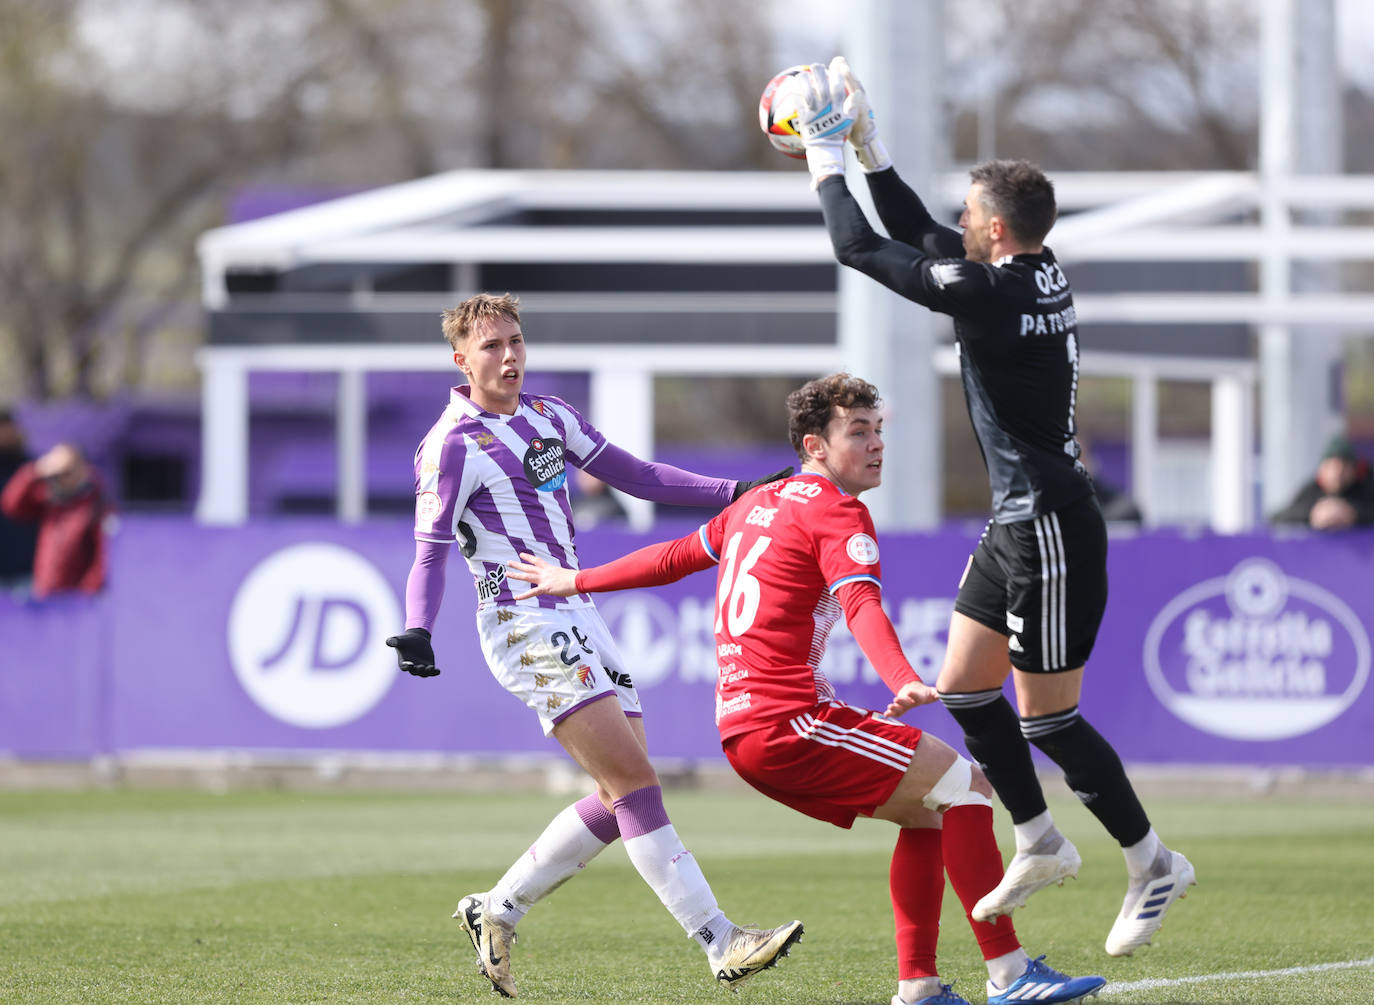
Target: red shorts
{"x":833,"y":763}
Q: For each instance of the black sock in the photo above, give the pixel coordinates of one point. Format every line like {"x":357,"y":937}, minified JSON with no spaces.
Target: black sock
{"x":1092,"y":770}
{"x":992,"y":734}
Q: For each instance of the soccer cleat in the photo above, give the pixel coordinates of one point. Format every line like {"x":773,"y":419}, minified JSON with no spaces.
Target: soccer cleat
{"x":753,"y":950}
{"x":1142,"y":912}
{"x":492,"y":941}
{"x":1039,"y":983}
{"x":946,"y":996}
{"x":1052,"y":859}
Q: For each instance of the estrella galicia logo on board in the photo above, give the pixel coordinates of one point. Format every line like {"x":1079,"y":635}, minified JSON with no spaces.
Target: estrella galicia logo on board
{"x":1256,"y":654}
{"x":544,"y":465}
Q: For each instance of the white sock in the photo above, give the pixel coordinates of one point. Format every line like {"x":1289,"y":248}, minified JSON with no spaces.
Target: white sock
{"x":1141,"y":855}
{"x":1004,"y":969}
{"x":714,"y":936}
{"x":916,"y":988}
{"x":659,"y":855}
{"x":1032,"y":830}
{"x":558,"y":854}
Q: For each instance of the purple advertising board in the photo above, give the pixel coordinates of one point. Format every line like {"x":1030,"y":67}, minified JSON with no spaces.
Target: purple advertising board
{"x":1215,"y":650}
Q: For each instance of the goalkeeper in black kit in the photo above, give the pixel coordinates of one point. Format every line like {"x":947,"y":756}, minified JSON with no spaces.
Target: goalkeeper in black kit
{"x":1033,"y":592}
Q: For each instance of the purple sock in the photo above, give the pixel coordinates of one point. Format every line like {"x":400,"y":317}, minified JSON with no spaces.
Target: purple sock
{"x":599,"y":820}
{"x":641,"y":812}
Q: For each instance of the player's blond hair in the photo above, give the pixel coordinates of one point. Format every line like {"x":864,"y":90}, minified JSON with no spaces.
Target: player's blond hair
{"x":811,"y":406}
{"x":460,"y":321}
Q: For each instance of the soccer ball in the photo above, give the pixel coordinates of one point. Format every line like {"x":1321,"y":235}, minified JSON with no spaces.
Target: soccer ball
{"x":778,"y":108}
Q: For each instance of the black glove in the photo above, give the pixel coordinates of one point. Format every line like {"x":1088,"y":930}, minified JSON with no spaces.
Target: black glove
{"x":414,"y":653}
{"x":743,"y":487}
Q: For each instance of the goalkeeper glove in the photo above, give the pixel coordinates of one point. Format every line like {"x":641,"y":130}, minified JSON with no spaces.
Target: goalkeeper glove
{"x":822,"y":121}
{"x":414,"y":653}
{"x":743,"y":487}
{"x":869,"y":150}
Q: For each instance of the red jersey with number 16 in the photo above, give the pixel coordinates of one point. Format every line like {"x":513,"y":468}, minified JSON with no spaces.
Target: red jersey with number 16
{"x":783,"y":549}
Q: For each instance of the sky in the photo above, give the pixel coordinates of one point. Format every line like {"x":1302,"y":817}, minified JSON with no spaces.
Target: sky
{"x":1354,"y":25}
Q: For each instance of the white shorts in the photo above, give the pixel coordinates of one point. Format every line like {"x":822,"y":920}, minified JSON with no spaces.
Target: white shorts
{"x":555,"y":661}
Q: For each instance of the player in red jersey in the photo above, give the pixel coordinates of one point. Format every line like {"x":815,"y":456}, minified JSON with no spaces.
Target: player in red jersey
{"x":793,"y":555}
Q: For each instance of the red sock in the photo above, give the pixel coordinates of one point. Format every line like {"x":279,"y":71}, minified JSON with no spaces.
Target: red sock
{"x":975,"y":867}
{"x":917,"y":882}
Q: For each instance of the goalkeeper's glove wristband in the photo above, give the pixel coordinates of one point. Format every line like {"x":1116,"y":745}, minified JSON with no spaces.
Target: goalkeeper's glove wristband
{"x":871,"y":153}
{"x":824,"y":160}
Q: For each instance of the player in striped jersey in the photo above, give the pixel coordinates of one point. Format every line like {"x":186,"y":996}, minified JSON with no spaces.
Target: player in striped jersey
{"x":791,"y":557}
{"x":491,"y":476}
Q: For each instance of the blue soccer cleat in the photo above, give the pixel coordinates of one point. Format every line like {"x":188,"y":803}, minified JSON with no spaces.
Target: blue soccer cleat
{"x":1043,"y":984}
{"x":946,"y":996}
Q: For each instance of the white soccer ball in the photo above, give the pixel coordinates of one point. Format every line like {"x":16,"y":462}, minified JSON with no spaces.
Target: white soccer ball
{"x":778,"y":108}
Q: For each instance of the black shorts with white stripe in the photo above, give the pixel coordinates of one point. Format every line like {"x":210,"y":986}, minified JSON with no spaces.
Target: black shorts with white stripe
{"x":1043,"y":584}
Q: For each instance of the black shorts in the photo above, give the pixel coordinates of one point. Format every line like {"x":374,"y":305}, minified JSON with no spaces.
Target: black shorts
{"x":1042,"y":583}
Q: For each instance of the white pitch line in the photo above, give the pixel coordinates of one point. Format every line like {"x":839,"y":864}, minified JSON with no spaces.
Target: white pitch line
{"x":1242,"y":975}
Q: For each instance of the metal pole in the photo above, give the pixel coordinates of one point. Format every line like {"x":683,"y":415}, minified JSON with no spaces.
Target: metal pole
{"x":350,"y":436}
{"x":622,"y":407}
{"x":223,"y":440}
{"x":895,"y":48}
{"x":1299,"y":133}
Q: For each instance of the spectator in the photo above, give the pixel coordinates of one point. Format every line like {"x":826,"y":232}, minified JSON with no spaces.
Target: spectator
{"x":64,"y":496}
{"x":17,"y":539}
{"x":1341,"y":494}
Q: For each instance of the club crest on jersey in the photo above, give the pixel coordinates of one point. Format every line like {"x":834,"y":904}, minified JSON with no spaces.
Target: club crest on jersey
{"x":544,"y":465}
{"x":585,"y":677}
{"x":539,"y":407}
{"x":427,"y":509}
{"x":862,"y":549}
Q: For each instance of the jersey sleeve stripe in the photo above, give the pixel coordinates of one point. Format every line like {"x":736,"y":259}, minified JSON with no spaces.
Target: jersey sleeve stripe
{"x":857,"y":578}
{"x":593,"y":455}
{"x":706,"y":544}
{"x":435,"y":540}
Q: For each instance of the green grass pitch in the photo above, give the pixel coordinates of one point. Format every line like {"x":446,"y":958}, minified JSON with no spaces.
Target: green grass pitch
{"x":260,"y":896}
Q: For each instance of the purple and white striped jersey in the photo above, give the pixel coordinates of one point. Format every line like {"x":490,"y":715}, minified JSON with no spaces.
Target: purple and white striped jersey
{"x":497,"y":485}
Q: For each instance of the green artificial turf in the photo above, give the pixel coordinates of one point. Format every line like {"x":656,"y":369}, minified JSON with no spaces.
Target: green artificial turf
{"x":258,"y":896}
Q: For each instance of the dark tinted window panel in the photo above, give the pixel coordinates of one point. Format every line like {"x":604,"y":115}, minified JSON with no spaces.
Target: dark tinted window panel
{"x":320,"y":279}
{"x":432,"y":278}
{"x":156,"y":479}
{"x":250,"y":281}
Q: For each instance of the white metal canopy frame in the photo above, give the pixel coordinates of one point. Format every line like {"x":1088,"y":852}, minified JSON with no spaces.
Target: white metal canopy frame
{"x":1175,"y":217}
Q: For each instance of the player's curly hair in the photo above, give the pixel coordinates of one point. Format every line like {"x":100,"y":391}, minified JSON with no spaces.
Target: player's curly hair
{"x":811,"y":406}
{"x":460,"y":321}
{"x":1021,"y":195}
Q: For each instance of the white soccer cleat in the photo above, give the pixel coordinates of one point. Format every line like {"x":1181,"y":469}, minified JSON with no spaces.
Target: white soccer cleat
{"x":1142,"y":912}
{"x":1052,"y":859}
{"x":492,"y":941}
{"x":752,"y":950}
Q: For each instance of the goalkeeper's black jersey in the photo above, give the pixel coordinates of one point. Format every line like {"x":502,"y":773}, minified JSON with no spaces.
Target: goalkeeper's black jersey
{"x":1017,"y":339}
